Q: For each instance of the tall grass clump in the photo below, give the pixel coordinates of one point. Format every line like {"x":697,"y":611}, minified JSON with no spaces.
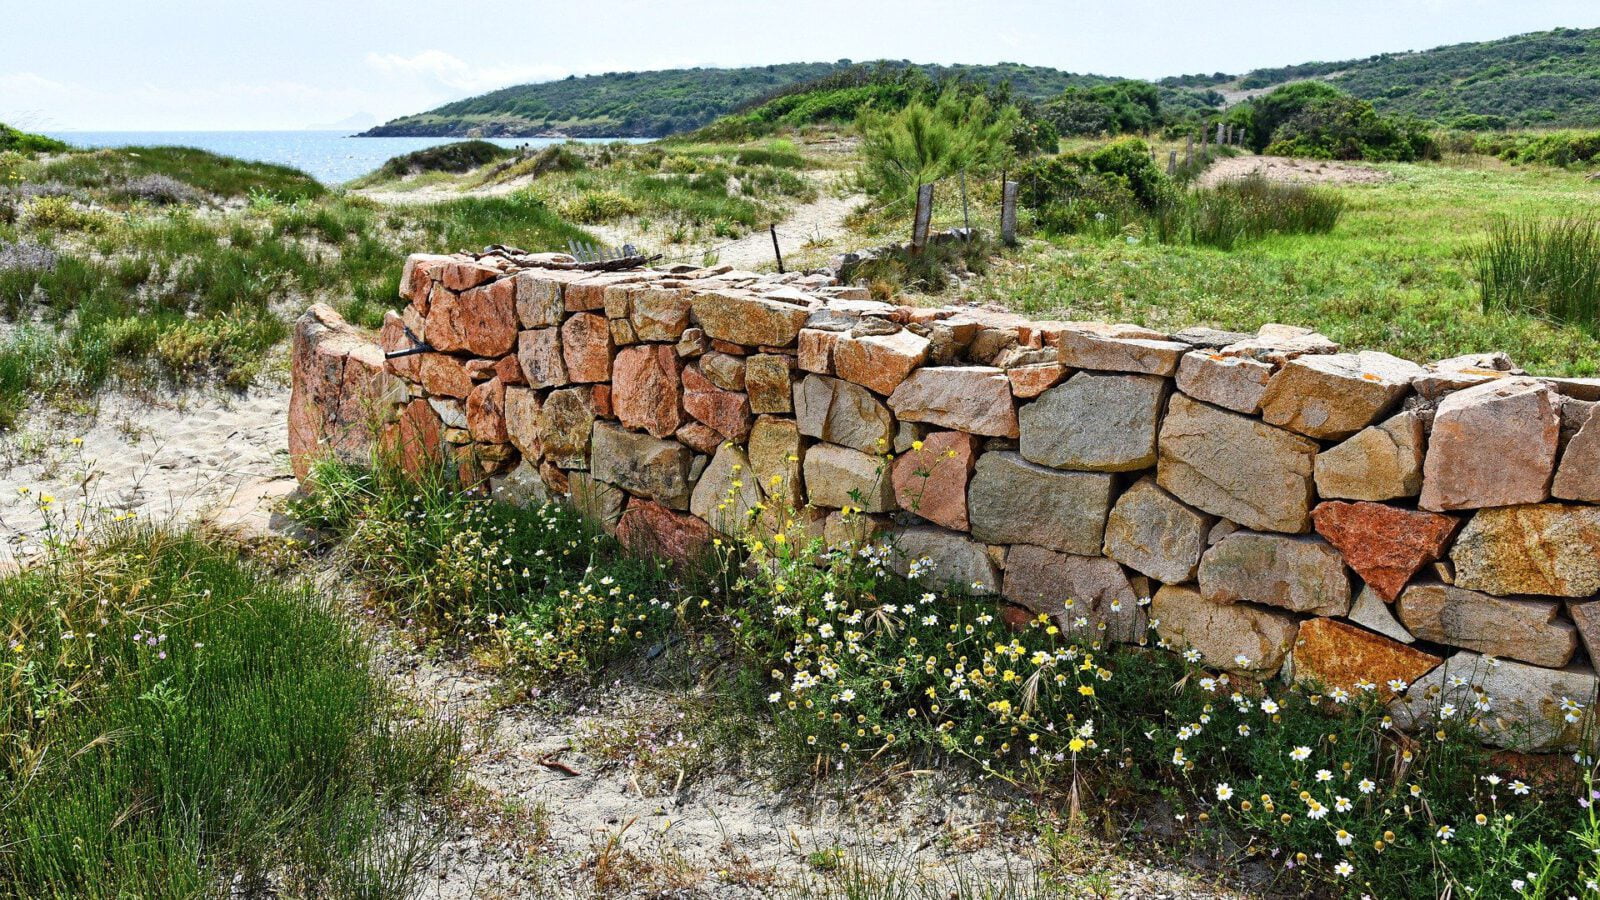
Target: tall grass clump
{"x":1544,"y":267}
{"x":1249,"y":209}
{"x":176,"y":721}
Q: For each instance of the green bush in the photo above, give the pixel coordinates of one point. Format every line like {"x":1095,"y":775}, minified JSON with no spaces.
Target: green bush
{"x":1100,"y":190}
{"x":591,"y":207}
{"x":24,"y":142}
{"x":1316,"y":119}
{"x":462,"y":156}
{"x":175,"y":722}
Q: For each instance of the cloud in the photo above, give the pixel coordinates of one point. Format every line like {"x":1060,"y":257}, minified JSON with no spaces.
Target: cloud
{"x":455,"y":73}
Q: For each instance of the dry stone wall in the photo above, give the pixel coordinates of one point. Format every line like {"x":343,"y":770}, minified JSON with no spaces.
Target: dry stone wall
{"x":1275,"y":504}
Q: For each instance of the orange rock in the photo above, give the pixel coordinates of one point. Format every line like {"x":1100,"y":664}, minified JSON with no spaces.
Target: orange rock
{"x":880,"y":361}
{"x":481,"y":321}
{"x":647,"y":527}
{"x":700,"y":436}
{"x":1385,"y":545}
{"x":727,"y":412}
{"x":417,"y":278}
{"x":393,"y":337}
{"x":539,"y":352}
{"x":486,"y":412}
{"x":1033,"y":380}
{"x":416,"y":441}
{"x":338,"y":384}
{"x":586,"y":347}
{"x":509,"y":370}
{"x":460,"y":274}
{"x":443,"y":375}
{"x":816,"y":350}
{"x":646,"y":385}
{"x":1338,"y":654}
{"x":601,"y":393}
{"x":932,"y":481}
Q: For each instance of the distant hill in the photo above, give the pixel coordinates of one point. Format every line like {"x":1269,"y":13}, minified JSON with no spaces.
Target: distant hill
{"x":1546,"y":78}
{"x":655,"y":104}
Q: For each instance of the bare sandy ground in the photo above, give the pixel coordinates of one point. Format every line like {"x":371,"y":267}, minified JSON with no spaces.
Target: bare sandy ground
{"x":172,"y":459}
{"x":1284,"y":169}
{"x":617,"y":797}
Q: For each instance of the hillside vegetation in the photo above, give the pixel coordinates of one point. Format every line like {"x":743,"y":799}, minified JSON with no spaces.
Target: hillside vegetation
{"x":654,"y":104}
{"x":1543,"y":78}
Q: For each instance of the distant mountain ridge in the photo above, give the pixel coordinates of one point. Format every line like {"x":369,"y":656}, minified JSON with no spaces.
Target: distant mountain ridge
{"x":1546,"y":78}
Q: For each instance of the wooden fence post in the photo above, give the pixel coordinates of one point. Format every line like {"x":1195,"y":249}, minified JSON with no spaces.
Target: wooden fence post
{"x":1172,"y":162}
{"x":775,"y":251}
{"x":1219,"y":134}
{"x":924,"y":216}
{"x":1188,"y":150}
{"x":1008,"y":212}
{"x":966,"y":222}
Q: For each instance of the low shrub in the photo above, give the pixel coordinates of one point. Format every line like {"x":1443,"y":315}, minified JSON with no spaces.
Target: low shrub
{"x":1547,"y":268}
{"x":591,"y":207}
{"x":462,"y":156}
{"x":554,"y":594}
{"x":24,"y":142}
{"x":59,"y":213}
{"x":175,"y":721}
{"x":157,"y":190}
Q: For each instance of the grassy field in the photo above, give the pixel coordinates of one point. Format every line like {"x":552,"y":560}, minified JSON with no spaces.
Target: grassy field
{"x":1396,"y":274}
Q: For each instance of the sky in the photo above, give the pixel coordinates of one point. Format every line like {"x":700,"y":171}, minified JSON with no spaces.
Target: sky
{"x":147,"y":65}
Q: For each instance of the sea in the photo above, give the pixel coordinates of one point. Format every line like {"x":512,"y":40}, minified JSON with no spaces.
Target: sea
{"x":331,"y":157}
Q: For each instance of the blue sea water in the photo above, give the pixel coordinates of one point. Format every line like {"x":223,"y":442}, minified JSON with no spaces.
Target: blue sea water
{"x":331,"y":157}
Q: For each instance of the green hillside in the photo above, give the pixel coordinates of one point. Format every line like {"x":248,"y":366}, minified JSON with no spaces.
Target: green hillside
{"x":653,"y":104}
{"x":1544,"y":78}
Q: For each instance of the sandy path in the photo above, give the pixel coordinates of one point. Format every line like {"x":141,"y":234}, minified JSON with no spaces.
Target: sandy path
{"x":200,"y":452}
{"x":1284,"y":169}
{"x":806,"y":228}
{"x":635,"y":801}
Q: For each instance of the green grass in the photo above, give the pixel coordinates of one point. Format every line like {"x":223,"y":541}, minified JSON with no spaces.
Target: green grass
{"x":178,"y":722}
{"x":1238,"y":212}
{"x":1397,"y":274}
{"x":1550,"y":269}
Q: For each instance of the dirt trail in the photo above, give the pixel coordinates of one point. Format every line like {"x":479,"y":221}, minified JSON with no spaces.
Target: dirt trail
{"x":1285,"y":169}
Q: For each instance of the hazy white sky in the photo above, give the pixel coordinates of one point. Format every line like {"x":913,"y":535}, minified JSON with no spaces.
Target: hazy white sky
{"x":249,"y":64}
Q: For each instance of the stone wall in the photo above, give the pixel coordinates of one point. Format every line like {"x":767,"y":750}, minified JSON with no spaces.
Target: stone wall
{"x":1277,"y":505}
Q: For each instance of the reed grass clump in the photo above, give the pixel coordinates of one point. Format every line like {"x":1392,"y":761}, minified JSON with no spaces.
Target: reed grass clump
{"x":1544,"y":267}
{"x":1238,"y":212}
